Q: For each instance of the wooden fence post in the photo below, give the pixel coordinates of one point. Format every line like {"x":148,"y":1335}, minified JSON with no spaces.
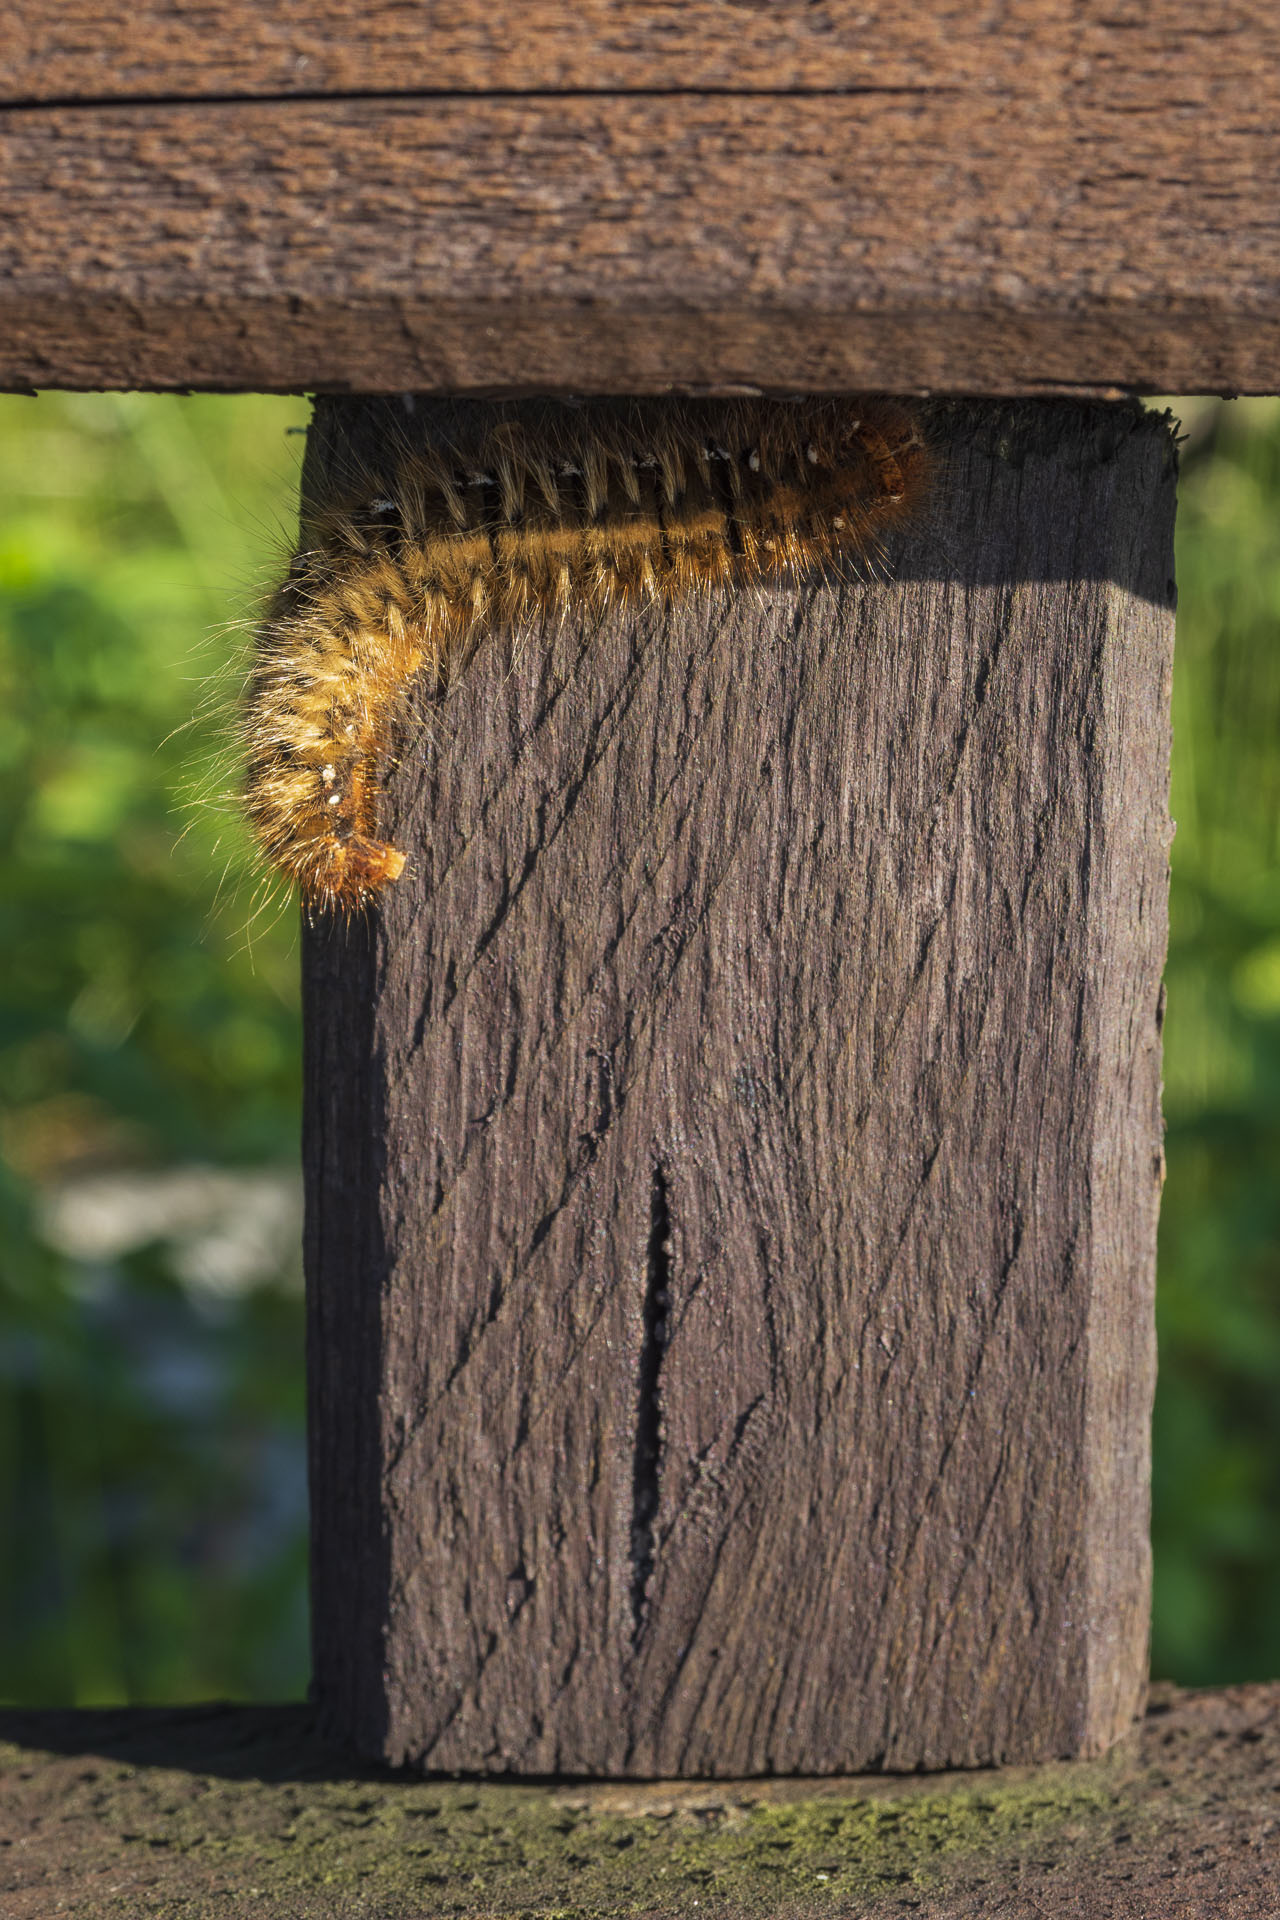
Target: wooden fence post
{"x":733,"y":1153}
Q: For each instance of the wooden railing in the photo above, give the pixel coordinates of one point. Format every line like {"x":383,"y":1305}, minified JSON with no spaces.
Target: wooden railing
{"x":733,"y":1143}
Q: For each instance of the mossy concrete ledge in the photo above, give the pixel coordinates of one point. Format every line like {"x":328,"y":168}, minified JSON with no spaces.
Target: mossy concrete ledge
{"x":222,"y":1811}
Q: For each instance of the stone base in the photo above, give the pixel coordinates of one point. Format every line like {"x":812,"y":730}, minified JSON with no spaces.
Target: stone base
{"x":227,"y":1811}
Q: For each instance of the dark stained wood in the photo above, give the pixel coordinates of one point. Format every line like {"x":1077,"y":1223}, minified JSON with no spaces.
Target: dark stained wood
{"x":757,"y":1078}
{"x":86,"y":49}
{"x":1176,"y":55}
{"x":954,"y":240}
{"x":212,"y":1812}
{"x":344,"y":1329}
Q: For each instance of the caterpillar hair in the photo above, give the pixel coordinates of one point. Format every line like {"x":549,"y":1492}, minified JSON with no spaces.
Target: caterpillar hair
{"x":513,"y":517}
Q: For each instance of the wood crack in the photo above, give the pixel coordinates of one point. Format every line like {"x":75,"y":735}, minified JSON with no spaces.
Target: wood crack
{"x":355,"y":96}
{"x":647,"y":1461}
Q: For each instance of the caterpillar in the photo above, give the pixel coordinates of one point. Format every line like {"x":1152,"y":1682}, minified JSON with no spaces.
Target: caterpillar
{"x":511,"y":517}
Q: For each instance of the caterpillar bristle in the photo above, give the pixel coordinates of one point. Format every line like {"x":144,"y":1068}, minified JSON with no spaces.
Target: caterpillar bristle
{"x":530,"y":515}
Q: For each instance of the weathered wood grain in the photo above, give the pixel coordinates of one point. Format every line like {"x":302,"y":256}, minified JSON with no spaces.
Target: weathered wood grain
{"x":735,"y":1148}
{"x":88,"y":50}
{"x":947,"y":240}
{"x":1175,"y":55}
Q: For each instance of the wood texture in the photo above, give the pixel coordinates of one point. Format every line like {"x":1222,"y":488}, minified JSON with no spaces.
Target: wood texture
{"x":85,"y":50}
{"x":1171,"y":57}
{"x":735,"y":1150}
{"x":214,"y":1812}
{"x":596,"y":199}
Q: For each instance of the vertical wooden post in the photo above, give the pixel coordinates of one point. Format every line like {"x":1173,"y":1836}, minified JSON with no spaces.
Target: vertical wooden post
{"x":733,"y":1155}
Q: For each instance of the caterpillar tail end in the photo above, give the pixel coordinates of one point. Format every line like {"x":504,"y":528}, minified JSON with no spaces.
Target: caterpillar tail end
{"x":392,"y":864}
{"x":350,"y":874}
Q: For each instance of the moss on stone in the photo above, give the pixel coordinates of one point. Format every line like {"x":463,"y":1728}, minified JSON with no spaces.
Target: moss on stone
{"x":202,"y":1844}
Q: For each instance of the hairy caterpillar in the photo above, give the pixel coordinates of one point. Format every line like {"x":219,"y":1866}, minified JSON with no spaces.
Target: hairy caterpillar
{"x":515,"y":515}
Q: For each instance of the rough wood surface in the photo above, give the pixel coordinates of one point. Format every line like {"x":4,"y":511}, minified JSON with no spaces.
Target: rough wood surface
{"x":733,"y":1160}
{"x":218,"y":1812}
{"x":473,"y":198}
{"x":1177,"y":55}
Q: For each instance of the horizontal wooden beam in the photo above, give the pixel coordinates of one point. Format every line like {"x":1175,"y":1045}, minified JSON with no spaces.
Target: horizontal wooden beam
{"x":488,"y":198}
{"x":1061,"y":52}
{"x":241,"y":1810}
{"x":85,"y":49}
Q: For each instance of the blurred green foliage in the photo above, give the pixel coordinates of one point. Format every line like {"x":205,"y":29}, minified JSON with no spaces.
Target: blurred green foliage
{"x":1216,"y":1519}
{"x":152,"y":1484}
{"x":152,"y":1468}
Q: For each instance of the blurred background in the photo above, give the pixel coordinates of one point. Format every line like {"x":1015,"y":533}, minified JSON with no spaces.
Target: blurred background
{"x":152,"y":1463}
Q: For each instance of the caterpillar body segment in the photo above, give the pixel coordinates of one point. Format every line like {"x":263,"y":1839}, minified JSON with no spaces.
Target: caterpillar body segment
{"x":517,"y":518}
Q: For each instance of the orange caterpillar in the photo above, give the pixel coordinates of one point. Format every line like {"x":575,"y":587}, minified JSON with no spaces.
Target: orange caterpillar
{"x":521,"y":515}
